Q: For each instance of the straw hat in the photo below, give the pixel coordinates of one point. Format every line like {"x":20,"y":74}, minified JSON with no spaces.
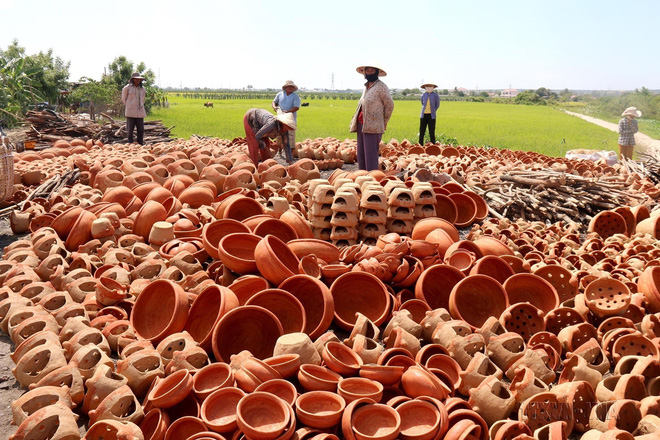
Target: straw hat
{"x":374,"y":64}
{"x":288,"y":83}
{"x":435,"y":86}
{"x":632,"y":111}
{"x":287,"y":119}
{"x":137,"y":75}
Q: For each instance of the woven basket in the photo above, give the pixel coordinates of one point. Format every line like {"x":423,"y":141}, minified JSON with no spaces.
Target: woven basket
{"x":6,"y":171}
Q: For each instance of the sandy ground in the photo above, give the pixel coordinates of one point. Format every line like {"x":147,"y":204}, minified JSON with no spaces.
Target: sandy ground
{"x":643,"y":141}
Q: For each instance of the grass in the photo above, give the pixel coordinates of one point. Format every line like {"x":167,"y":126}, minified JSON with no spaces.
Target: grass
{"x":518,"y":127}
{"x":649,"y":127}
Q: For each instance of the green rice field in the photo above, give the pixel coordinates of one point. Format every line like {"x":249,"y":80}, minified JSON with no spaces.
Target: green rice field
{"x":519,"y":127}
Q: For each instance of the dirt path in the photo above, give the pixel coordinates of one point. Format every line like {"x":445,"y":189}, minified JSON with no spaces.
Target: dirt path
{"x":643,"y":141}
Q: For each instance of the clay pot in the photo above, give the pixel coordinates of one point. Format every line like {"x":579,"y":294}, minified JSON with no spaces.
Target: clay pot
{"x":287,"y":365}
{"x":155,"y":424}
{"x":435,"y":293}
{"x":320,"y":409}
{"x":418,"y":381}
{"x":121,"y":404}
{"x":113,"y":429}
{"x":207,"y":309}
{"x":238,"y":207}
{"x":246,"y":286}
{"x":150,"y":213}
{"x":298,"y":223}
{"x":160,"y":310}
{"x":607,"y":297}
{"x":317,"y":378}
{"x":359,"y":292}
{"x":316,"y":300}
{"x":286,"y":307}
{"x":354,"y":388}
{"x":476,"y":298}
{"x":561,"y":279}
{"x":253,"y":328}
{"x":322,"y":249}
{"x":494,"y":267}
{"x":375,"y":421}
{"x":167,"y":392}
{"x":275,"y":260}
{"x":54,"y":421}
{"x":219,"y":410}
{"x":276,"y":227}
{"x":420,"y":420}
{"x":214,"y":232}
{"x":533,"y":289}
{"x":81,"y":231}
{"x":341,"y":359}
{"x":648,"y":284}
{"x":262,"y":416}
{"x":237,"y":252}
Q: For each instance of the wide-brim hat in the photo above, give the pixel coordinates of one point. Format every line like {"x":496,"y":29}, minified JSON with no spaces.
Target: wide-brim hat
{"x":288,"y":83}
{"x":137,"y":75}
{"x":435,"y":86}
{"x":632,"y":111}
{"x":287,"y":119}
{"x":374,"y":64}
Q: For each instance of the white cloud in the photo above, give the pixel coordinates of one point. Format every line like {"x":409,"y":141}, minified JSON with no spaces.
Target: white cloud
{"x":6,"y":5}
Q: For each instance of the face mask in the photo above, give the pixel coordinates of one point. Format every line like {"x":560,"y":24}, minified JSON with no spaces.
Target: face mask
{"x":372,"y":76}
{"x":428,"y":89}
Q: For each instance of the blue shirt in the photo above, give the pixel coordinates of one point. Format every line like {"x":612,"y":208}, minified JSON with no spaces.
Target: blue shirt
{"x":435,"y":103}
{"x":287,"y":102}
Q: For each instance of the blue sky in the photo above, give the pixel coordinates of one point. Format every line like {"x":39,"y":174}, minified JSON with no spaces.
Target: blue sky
{"x":578,"y":44}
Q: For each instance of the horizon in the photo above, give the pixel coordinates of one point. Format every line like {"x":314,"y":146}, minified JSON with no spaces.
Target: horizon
{"x":477,"y":45}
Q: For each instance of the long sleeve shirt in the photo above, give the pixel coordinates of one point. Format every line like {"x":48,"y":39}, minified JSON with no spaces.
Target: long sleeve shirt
{"x":264,"y":125}
{"x":133,"y":99}
{"x":627,"y":130}
{"x":431,"y":100}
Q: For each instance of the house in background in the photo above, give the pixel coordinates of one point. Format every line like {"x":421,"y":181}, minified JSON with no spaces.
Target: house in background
{"x":509,"y":93}
{"x":464,"y":90}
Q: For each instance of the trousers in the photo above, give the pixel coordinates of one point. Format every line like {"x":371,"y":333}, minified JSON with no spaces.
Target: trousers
{"x":253,"y":144}
{"x":367,"y":149}
{"x":423,"y":122}
{"x":131,"y":123}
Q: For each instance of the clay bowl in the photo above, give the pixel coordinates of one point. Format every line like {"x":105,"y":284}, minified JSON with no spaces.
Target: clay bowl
{"x":238,"y":207}
{"x":275,"y":260}
{"x":281,"y":388}
{"x":323,"y":250}
{"x":150,"y":213}
{"x":492,"y":246}
{"x":466,"y":209}
{"x":435,"y":284}
{"x":81,"y":231}
{"x":318,"y":378}
{"x":214,"y":232}
{"x":425,"y":226}
{"x":193,"y":245}
{"x":171,"y":390}
{"x":262,"y":416}
{"x":360,"y":292}
{"x":246,"y":286}
{"x":387,"y":375}
{"x":155,"y":422}
{"x":237,"y":252}
{"x":494,"y":267}
{"x":249,"y":328}
{"x":276,"y":227}
{"x":211,"y":378}
{"x":527,"y":287}
{"x":287,"y":365}
{"x":286,"y":307}
{"x":220,"y":407}
{"x":375,"y":421}
{"x":607,"y":297}
{"x":476,"y":298}
{"x":354,"y":388}
{"x":420,"y":420}
{"x":320,"y":409}
{"x":341,"y":358}
{"x":416,"y":307}
{"x":160,"y":310}
{"x":207,"y":309}
{"x":316,"y":300}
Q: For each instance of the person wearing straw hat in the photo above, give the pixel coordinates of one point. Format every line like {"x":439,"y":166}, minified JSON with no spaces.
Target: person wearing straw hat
{"x":260,"y":125}
{"x":288,"y":101}
{"x":627,"y":130}
{"x":430,"y":103}
{"x":371,"y":116}
{"x":133,"y":96}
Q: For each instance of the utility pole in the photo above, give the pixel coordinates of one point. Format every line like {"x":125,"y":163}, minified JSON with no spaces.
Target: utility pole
{"x":332,"y":82}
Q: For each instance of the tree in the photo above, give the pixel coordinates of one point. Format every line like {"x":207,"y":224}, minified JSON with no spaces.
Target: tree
{"x":529,"y":97}
{"x":483,"y":94}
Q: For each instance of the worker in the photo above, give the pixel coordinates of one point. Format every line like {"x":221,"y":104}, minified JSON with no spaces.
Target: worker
{"x":260,"y":125}
{"x":288,"y":101}
{"x":133,"y":96}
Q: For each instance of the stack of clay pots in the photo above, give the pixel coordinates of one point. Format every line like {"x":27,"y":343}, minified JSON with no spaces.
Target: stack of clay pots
{"x":344,"y":221}
{"x":401,"y":207}
{"x":321,"y":195}
{"x":373,"y":210}
{"x":425,"y":200}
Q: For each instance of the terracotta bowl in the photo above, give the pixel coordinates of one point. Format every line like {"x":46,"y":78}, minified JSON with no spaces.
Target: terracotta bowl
{"x":360,"y":292}
{"x":420,"y":420}
{"x":285,"y":364}
{"x":211,"y":378}
{"x":262,"y":416}
{"x":316,"y":300}
{"x":476,"y":298}
{"x":275,"y":260}
{"x":286,"y":307}
{"x":276,"y":227}
{"x":376,"y":421}
{"x":150,"y":213}
{"x":214,"y":232}
{"x":220,"y":407}
{"x":322,"y":249}
{"x":171,"y":390}
{"x":207,"y":309}
{"x":239,"y":208}
{"x":435,"y":284}
{"x":237,"y":252}
{"x":281,"y":388}
{"x":320,"y":409}
{"x":354,"y":388}
{"x":533,"y":289}
{"x":249,"y":328}
{"x":246,"y":286}
{"x":387,"y":375}
{"x":494,"y":267}
{"x":318,"y":378}
{"x":160,"y":310}
{"x":341,"y":358}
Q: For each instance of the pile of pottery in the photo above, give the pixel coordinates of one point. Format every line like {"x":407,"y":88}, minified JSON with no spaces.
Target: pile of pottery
{"x":327,"y":148}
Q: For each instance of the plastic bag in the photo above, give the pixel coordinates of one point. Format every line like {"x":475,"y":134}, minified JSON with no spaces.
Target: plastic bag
{"x":610,"y":157}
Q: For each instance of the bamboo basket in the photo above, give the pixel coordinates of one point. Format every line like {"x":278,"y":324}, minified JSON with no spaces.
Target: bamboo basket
{"x":6,"y":170}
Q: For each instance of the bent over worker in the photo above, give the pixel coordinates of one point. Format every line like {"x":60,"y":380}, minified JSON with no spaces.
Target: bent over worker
{"x":260,"y":125}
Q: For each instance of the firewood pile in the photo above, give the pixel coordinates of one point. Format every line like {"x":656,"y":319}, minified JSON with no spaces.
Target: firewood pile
{"x":47,"y":126}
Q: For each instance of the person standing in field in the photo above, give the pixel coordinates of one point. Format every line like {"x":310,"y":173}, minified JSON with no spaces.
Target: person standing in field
{"x":430,"y":103}
{"x":260,"y":125}
{"x":371,"y":116}
{"x":133,"y":96}
{"x":627,"y":130}
{"x":288,"y":101}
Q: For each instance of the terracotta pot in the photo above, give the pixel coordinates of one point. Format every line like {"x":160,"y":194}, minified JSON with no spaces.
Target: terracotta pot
{"x":287,"y":365}
{"x":169,"y":391}
{"x":494,"y":267}
{"x":387,"y":375}
{"x":648,"y":283}
{"x":275,"y":260}
{"x":436,"y":294}
{"x":476,"y":298}
{"x":281,"y":388}
{"x":276,"y":227}
{"x":121,"y":404}
{"x":213,"y":232}
{"x":237,"y":252}
{"x":561,"y":279}
{"x":246,"y":286}
{"x":341,"y":359}
{"x":160,"y":310}
{"x":155,"y":424}
{"x":239,"y":208}
{"x":262,"y":416}
{"x":322,"y":249}
{"x":607,"y":297}
{"x":318,"y":378}
{"x":254,"y":328}
{"x":105,"y":428}
{"x":53,"y":421}
{"x":317,"y":302}
{"x":425,"y":226}
{"x":359,"y":292}
{"x":207,"y":309}
{"x":150,"y":213}
{"x":81,"y":231}
{"x":608,"y":223}
{"x":354,"y":388}
{"x":299,"y":224}
{"x":418,"y":381}
{"x":196,"y":196}
{"x":286,"y":307}
{"x":533,"y":289}
{"x":219,"y":410}
{"x":320,"y":409}
{"x":375,"y":421}
{"x":185,"y":427}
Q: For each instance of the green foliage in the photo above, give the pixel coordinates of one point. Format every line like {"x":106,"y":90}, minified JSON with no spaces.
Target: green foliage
{"x":531,"y":128}
{"x":529,"y":97}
